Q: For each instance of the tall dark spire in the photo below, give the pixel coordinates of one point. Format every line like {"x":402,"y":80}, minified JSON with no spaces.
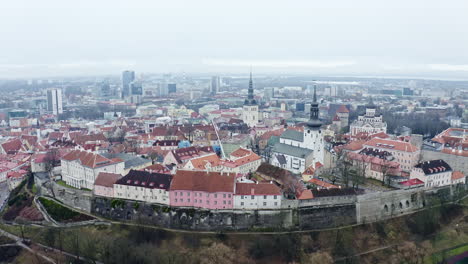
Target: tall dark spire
{"x":314,"y":121}
{"x":250,"y":98}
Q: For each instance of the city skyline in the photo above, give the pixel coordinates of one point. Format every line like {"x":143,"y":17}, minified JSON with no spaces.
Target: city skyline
{"x":398,"y":39}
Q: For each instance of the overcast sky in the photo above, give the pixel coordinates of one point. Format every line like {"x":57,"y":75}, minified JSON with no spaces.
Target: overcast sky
{"x":360,"y":37}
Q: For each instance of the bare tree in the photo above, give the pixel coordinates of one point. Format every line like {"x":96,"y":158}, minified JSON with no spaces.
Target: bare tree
{"x":360,"y":168}
{"x":385,"y":169}
{"x":52,"y":159}
{"x":344,"y":165}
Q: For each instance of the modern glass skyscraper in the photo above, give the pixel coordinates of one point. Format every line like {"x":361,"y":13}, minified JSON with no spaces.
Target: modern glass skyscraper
{"x":54,"y":101}
{"x":127,"y":78}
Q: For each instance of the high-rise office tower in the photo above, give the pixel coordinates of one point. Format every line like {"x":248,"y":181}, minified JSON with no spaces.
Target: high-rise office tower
{"x":215,"y":84}
{"x":136,"y":88}
{"x":105,"y":89}
{"x":54,"y":101}
{"x":171,"y":88}
{"x":127,"y":78}
{"x":163,"y":88}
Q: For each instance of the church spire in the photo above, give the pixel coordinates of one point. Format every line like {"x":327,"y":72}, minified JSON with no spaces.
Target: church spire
{"x":250,"y":98}
{"x":314,"y":121}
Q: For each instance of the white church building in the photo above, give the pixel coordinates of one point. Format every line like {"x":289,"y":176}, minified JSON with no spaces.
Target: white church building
{"x":250,"y":113}
{"x":298,"y":150}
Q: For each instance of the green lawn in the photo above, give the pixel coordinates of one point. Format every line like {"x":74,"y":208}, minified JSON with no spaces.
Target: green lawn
{"x":61,"y":213}
{"x":62,"y":183}
{"x":440,"y":256}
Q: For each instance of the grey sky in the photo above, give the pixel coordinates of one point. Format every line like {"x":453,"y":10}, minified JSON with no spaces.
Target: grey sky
{"x":372,"y":38}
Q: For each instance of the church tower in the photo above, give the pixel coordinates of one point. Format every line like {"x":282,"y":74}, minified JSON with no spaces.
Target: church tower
{"x":313,"y":137}
{"x":250,"y":108}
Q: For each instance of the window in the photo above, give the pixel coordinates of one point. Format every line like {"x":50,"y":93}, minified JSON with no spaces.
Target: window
{"x":252,"y":197}
{"x":229,"y":195}
{"x":229,"y":202}
{"x":264,"y":197}
{"x":224,"y":195}
{"x":188,"y":200}
{"x":242,"y":203}
{"x":224,"y":202}
{"x":176,"y":200}
{"x":216,"y":196}
{"x":275,"y":197}
{"x":264,"y":203}
{"x":276,"y":203}
{"x":216,"y":202}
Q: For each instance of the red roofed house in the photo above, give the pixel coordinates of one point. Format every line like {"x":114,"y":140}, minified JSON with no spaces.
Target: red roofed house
{"x":321,"y":184}
{"x":242,"y":161}
{"x":104,"y":184}
{"x":12,"y":146}
{"x":342,"y":115}
{"x":182,"y":155}
{"x":406,"y":154}
{"x":209,"y":190}
{"x":210,"y":162}
{"x":81,"y":168}
{"x":255,"y":195}
{"x":458,"y":177}
{"x":14,"y":178}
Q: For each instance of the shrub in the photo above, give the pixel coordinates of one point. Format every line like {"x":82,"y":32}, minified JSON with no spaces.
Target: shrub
{"x":61,"y":213}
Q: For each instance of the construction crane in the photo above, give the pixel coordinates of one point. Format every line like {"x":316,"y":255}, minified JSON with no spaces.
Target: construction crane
{"x":219,"y":140}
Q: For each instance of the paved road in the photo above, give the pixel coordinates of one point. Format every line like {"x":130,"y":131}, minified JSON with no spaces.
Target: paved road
{"x":4,"y":192}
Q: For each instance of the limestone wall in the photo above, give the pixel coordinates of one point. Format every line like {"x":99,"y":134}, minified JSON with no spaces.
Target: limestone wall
{"x":72,"y":197}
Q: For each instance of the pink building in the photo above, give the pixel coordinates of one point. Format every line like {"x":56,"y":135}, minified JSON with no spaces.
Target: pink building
{"x":209,"y":190}
{"x":104,"y":184}
{"x":406,"y":154}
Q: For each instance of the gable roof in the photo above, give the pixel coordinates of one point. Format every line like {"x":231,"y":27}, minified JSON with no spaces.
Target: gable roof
{"x":293,"y":135}
{"x":203,"y":181}
{"x":291,"y":150}
{"x":201,"y":162}
{"x":107,"y":179}
{"x":263,"y":188}
{"x":391,"y":145}
{"x":90,"y":159}
{"x":433,"y":166}
{"x":342,"y":109}
{"x":12,"y":146}
{"x":146,"y":179}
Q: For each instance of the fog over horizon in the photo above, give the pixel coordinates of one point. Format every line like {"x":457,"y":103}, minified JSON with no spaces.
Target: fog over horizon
{"x":425,"y":39}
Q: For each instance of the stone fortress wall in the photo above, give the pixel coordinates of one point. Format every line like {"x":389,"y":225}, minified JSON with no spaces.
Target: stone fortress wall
{"x":318,"y":213}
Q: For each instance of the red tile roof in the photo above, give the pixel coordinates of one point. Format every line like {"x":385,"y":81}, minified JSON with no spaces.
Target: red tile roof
{"x":322,"y":184}
{"x":391,"y":145}
{"x":241,"y":152}
{"x":12,"y":146}
{"x":309,"y":171}
{"x":243,"y":188}
{"x":305,"y":195}
{"x":89,"y":159}
{"x":457,"y":175}
{"x":412,"y":182}
{"x":203,"y":181}
{"x":107,"y":179}
{"x":201,"y":162}
{"x":342,"y":109}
